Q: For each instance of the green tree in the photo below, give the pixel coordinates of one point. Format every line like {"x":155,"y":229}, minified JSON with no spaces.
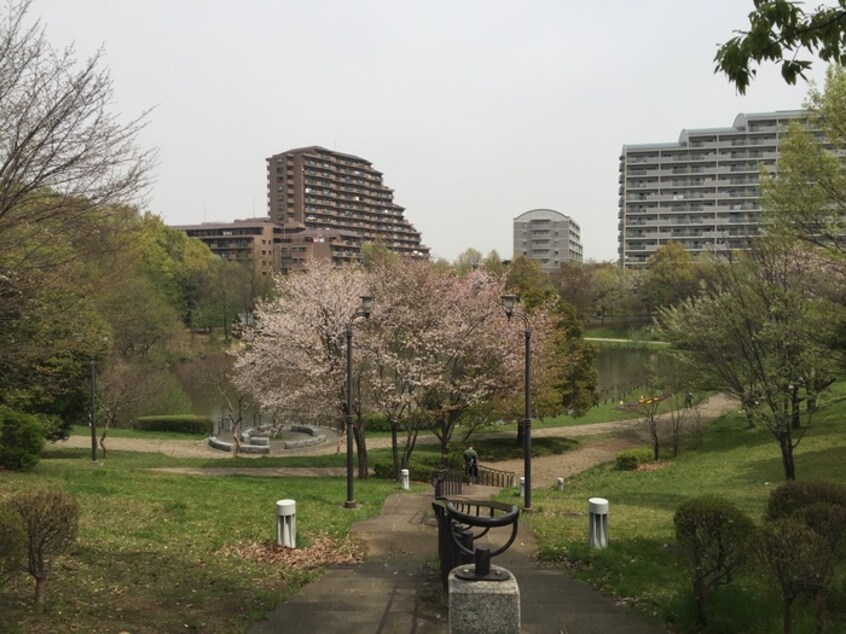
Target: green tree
{"x":576,"y":285}
{"x":807,"y":194}
{"x":493,"y":264}
{"x":760,"y":331}
{"x":607,"y":290}
{"x":671,"y":277}
{"x":468,"y":260}
{"x":527,"y":280}
{"x":779,"y":31}
{"x":66,"y":160}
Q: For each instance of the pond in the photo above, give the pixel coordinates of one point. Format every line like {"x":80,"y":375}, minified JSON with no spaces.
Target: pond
{"x":621,"y":370}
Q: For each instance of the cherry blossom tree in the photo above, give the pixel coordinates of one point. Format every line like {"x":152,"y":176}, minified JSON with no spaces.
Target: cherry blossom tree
{"x":468,"y":358}
{"x":293,"y":363}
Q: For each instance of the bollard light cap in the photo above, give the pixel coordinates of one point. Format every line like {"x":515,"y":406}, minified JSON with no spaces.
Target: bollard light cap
{"x":286,"y":507}
{"x":598,"y":505}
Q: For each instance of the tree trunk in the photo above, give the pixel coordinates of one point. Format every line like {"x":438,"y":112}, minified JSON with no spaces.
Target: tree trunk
{"x":521,"y":431}
{"x":794,"y":407}
{"x":103,"y":442}
{"x":656,"y":441}
{"x":361,"y":450}
{"x":699,"y":591}
{"x":788,"y":616}
{"x":40,"y":592}
{"x":410,"y":442}
{"x":236,"y":441}
{"x":786,"y":444}
{"x":395,"y":450}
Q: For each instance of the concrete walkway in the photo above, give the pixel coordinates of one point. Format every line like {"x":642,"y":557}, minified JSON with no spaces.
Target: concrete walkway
{"x":397,"y":590}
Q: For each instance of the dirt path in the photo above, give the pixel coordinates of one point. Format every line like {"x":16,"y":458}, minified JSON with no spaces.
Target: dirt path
{"x":624,"y":435}
{"x":545,"y":470}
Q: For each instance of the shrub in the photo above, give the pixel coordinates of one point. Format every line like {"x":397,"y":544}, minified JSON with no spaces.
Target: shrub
{"x":377,"y":422}
{"x":826,"y":520}
{"x":51,"y":521}
{"x":713,"y":535}
{"x":12,"y":542}
{"x":631,"y":459}
{"x":799,"y":558}
{"x":21,"y":440}
{"x":794,"y":496}
{"x":56,"y":428}
{"x":180,"y":423}
{"x":419,"y":468}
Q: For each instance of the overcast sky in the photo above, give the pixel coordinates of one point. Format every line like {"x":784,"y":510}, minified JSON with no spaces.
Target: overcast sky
{"x":475,"y":111}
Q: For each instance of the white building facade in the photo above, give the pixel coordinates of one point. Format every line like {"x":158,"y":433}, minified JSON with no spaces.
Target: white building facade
{"x":702,"y":191}
{"x":549,"y":237}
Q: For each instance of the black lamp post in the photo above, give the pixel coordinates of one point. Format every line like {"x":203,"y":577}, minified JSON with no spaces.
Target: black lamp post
{"x":92,"y":412}
{"x":366,"y":309}
{"x":508,"y":302}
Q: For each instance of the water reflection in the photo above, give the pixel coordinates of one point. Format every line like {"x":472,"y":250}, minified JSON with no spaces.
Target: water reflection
{"x":621,"y":370}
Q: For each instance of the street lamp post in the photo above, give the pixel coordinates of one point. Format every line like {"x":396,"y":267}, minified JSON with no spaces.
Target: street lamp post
{"x":508,"y":302}
{"x":366,"y":309}
{"x":92,"y":412}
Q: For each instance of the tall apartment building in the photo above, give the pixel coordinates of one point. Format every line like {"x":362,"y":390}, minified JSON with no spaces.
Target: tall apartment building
{"x":547,"y":236}
{"x":313,"y":191}
{"x":252,"y":241}
{"x":701,"y":192}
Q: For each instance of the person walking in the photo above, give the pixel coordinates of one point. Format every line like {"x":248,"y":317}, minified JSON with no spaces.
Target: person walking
{"x":471,"y":464}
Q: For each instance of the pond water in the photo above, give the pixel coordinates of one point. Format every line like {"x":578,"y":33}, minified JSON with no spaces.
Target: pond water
{"x":622,"y":370}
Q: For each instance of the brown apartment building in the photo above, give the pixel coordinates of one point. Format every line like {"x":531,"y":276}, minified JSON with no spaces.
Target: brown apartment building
{"x":254,"y":240}
{"x":323,"y":205}
{"x":330,"y":204}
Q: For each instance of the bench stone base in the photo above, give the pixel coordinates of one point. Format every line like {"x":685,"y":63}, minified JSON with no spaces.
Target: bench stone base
{"x":483,"y":607}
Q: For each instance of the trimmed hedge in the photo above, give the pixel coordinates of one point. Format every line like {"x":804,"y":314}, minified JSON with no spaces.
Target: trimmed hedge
{"x":631,"y":459}
{"x":795,"y":496}
{"x":179,"y":423}
{"x":419,"y":467}
{"x":21,"y":440}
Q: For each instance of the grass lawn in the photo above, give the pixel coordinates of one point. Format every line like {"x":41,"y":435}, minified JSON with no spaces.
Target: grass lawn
{"x":154,"y":550}
{"x":641,"y":564}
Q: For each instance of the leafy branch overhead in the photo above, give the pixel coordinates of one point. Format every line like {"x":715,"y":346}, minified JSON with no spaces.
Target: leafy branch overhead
{"x":779,"y":32}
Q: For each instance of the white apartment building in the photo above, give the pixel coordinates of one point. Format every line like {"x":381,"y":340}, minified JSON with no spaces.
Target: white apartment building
{"x":547,"y":236}
{"x":701,"y":192}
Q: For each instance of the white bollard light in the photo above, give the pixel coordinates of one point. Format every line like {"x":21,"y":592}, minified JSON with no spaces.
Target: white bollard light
{"x":560,"y":484}
{"x":522,"y":487}
{"x":286,"y":523}
{"x":404,"y":479}
{"x":598,"y":522}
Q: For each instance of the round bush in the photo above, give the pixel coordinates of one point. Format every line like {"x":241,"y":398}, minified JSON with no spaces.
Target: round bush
{"x":631,"y":459}
{"x":826,"y":520}
{"x":21,"y":440}
{"x":713,"y":537}
{"x":794,"y":496}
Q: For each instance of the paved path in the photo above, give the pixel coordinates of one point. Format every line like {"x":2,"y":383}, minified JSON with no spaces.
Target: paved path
{"x":397,"y":590}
